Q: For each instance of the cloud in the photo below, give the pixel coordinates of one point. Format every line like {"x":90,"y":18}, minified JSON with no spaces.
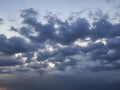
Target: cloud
{"x":28,"y":13}
{"x":53,"y":53}
{"x":1,"y":21}
{"x":108,"y":1}
{"x":66,"y":34}
{"x":57,"y":44}
{"x":14,"y":45}
{"x":24,"y":82}
{"x":9,"y":61}
{"x":101,"y":29}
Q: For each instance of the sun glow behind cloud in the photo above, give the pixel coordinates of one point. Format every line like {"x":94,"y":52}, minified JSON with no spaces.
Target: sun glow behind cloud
{"x":51,"y":65}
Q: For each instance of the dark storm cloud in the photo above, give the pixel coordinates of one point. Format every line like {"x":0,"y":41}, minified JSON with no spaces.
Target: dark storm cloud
{"x":63,"y":65}
{"x":113,"y":43}
{"x":28,"y":55}
{"x":14,"y":45}
{"x":106,"y":67}
{"x":66,"y":66}
{"x":36,"y":65}
{"x":45,"y":55}
{"x":104,"y":29}
{"x":68,"y":31}
{"x":22,"y":70}
{"x":101,"y":29}
{"x":77,"y":29}
{"x":108,"y":52}
{"x":10,"y":61}
{"x":59,"y":53}
{"x":66,"y":34}
{"x":92,"y":47}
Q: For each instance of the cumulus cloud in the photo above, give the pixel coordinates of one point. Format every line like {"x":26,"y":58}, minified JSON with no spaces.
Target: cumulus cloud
{"x":66,"y":34}
{"x":14,"y":45}
{"x":10,"y":61}
{"x":60,"y":48}
{"x":56,"y":44}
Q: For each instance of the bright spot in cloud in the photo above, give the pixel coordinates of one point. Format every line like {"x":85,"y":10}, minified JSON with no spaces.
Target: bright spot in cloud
{"x":35,"y":56}
{"x":101,"y":40}
{"x":56,"y":26}
{"x":49,"y":48}
{"x":81,"y":43}
{"x":51,"y":65}
{"x":18,"y":55}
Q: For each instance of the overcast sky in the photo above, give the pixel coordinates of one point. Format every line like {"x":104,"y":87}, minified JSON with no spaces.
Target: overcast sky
{"x":59,"y":45}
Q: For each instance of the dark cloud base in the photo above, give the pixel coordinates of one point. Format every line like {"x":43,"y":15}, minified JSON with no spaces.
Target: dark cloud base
{"x":53,"y":83}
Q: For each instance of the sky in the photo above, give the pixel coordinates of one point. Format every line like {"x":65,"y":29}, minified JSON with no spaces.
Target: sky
{"x":59,"y":45}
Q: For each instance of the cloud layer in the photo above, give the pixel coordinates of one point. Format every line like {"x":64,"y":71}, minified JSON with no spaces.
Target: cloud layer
{"x":60,"y":48}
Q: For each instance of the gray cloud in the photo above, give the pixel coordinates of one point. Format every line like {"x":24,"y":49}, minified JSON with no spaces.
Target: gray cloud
{"x":66,"y":34}
{"x":1,"y":21}
{"x":52,"y":51}
{"x":108,"y":1}
{"x":9,"y":61}
{"x":24,"y":82}
{"x":14,"y":45}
